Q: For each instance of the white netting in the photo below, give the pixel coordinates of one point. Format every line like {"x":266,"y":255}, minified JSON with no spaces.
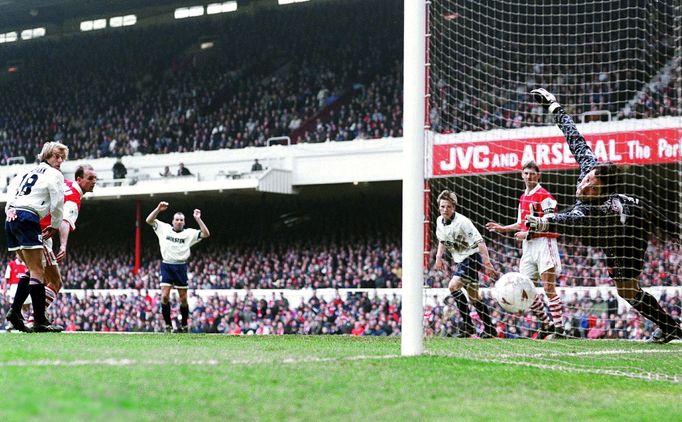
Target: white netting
{"x":615,"y":67}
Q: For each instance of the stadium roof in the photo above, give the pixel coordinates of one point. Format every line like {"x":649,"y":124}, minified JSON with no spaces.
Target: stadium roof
{"x":25,"y":13}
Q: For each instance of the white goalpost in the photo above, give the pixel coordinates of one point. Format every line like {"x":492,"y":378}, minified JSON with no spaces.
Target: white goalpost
{"x":414,"y":96}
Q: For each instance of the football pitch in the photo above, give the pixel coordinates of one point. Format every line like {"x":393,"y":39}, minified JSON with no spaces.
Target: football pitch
{"x":210,"y":377}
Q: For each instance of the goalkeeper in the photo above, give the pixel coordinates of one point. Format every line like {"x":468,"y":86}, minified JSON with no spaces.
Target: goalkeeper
{"x":605,"y":218}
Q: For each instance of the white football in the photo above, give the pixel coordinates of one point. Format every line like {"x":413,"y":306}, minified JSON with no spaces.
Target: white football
{"x":514,"y":292}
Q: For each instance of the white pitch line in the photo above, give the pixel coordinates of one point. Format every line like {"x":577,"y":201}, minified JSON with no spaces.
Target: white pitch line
{"x":653,"y":376}
{"x":506,"y":359}
{"x":209,"y":362}
{"x":586,"y":353}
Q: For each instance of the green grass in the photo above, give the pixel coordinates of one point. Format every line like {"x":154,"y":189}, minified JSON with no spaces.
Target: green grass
{"x":196,"y":377}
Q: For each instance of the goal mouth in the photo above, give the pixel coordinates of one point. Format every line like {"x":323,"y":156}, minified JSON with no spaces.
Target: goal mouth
{"x":482,"y":125}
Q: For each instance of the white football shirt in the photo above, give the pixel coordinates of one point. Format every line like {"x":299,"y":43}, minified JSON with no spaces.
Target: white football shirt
{"x":40,"y":190}
{"x":460,"y":237}
{"x":175,"y":245}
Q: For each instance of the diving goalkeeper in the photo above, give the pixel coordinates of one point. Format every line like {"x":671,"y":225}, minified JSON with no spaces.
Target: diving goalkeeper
{"x":604,"y":218}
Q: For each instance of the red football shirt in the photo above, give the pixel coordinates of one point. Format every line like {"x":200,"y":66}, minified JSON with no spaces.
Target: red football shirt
{"x":15,"y":269}
{"x":540,"y":202}
{"x":72,"y":205}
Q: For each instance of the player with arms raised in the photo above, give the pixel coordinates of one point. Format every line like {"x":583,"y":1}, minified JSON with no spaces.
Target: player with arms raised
{"x":605,"y":218}
{"x":31,"y":196}
{"x":540,"y":257}
{"x":459,"y":236}
{"x":175,"y":242}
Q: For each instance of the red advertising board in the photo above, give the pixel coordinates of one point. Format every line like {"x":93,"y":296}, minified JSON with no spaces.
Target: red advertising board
{"x":656,"y":146}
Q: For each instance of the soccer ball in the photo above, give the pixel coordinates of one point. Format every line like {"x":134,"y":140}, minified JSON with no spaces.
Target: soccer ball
{"x":514,"y":292}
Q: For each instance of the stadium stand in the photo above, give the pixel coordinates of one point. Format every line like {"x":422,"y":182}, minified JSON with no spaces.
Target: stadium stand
{"x":152,"y":90}
{"x":370,"y":262}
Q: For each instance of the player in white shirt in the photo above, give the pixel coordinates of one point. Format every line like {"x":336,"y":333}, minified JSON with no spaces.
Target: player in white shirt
{"x":175,"y":242}
{"x":86,"y":179}
{"x":457,"y":234}
{"x":30,"y":197}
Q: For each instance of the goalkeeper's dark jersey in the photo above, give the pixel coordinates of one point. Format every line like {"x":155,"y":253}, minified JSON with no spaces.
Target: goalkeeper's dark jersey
{"x":618,"y":225}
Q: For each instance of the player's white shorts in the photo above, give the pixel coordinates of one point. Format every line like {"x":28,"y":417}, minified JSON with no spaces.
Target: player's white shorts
{"x":539,"y":255}
{"x":11,"y":292}
{"x":49,"y":258}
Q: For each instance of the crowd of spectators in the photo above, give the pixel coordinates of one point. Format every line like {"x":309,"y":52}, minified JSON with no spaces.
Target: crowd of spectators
{"x":309,"y":76}
{"x":356,"y":314}
{"x":151,"y":90}
{"x":371,"y":262}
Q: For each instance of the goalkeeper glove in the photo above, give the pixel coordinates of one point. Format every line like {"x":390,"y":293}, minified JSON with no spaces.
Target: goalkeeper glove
{"x":545,"y":98}
{"x":537,"y":224}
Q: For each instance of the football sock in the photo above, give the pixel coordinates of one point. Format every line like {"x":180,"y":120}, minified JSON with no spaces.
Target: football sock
{"x":648,"y":306}
{"x":184,"y":313}
{"x":50,"y":296}
{"x":21,"y":295}
{"x":165,"y":311}
{"x":555,"y":310}
{"x":538,"y":309}
{"x":484,"y":313}
{"x":37,"y":292}
{"x":463,"y":306}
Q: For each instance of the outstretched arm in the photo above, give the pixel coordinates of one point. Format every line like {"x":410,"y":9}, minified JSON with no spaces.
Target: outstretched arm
{"x":498,"y":228}
{"x":571,"y":221}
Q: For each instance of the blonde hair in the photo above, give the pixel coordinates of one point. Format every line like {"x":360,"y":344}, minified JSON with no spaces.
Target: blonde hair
{"x":51,"y":149}
{"x":448,"y":196}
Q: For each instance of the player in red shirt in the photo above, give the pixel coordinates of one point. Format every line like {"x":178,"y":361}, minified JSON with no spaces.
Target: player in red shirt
{"x":540,"y":258}
{"x":86,"y":178}
{"x":15,"y":269}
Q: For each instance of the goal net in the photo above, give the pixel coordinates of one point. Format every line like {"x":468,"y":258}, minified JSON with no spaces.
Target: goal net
{"x":615,"y":68}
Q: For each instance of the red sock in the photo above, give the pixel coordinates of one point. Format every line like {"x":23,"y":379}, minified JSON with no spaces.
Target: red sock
{"x":555,"y":310}
{"x":50,"y":296}
{"x":538,"y":309}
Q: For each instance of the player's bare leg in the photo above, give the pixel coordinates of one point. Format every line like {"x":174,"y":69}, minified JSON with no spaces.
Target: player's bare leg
{"x":460,"y":299}
{"x":555,"y":306}
{"x":483,"y":311}
{"x":648,"y":306}
{"x":165,"y":307}
{"x":53,"y":284}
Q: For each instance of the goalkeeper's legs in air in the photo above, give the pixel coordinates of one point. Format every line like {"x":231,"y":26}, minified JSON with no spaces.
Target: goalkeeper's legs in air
{"x":647,"y":305}
{"x":457,"y":294}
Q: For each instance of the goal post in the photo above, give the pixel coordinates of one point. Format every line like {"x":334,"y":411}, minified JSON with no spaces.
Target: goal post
{"x":414,"y":100}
